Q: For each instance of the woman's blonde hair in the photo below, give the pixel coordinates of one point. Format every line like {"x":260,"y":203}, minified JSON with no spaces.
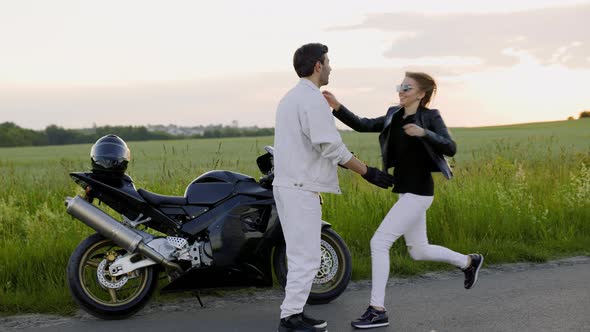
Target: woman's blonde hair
{"x":426,"y":83}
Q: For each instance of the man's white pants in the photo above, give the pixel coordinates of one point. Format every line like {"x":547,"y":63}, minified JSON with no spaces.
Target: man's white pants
{"x":407,"y":217}
{"x":300,"y":214}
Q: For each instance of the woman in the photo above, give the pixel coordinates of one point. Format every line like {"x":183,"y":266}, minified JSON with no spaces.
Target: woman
{"x":413,"y":140}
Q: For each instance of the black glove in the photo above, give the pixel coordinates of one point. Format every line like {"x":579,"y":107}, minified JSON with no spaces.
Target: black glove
{"x":378,"y":178}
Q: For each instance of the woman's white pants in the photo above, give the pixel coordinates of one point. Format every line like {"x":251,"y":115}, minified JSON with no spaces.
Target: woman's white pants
{"x":408,"y":218}
{"x":300,"y":214}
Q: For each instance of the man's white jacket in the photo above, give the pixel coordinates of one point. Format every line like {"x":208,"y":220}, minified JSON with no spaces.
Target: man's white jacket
{"x":308,"y":147}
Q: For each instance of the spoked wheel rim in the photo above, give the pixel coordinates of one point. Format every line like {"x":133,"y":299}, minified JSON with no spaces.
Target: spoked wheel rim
{"x":332,"y":267}
{"x":112,"y":291}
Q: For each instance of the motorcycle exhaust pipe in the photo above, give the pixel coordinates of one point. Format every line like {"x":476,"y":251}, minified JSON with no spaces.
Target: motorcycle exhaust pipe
{"x":110,"y":228}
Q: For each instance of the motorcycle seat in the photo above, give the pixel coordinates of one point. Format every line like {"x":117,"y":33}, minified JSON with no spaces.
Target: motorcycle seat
{"x":156,"y":199}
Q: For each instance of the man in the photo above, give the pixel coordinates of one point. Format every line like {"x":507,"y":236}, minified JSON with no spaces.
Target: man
{"x":308,"y":149}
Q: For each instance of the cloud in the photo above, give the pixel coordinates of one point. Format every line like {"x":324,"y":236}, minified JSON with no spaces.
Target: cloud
{"x":522,"y":93}
{"x":251,"y":100}
{"x":551,"y":36}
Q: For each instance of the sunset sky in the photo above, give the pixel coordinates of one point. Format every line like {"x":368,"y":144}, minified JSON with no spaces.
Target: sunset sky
{"x":78,"y":63}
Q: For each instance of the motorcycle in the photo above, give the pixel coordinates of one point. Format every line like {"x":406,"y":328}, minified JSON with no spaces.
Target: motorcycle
{"x":223,"y":232}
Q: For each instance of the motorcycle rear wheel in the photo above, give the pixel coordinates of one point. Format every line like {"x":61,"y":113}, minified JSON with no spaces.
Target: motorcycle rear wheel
{"x":132,"y":292}
{"x":334,"y":273}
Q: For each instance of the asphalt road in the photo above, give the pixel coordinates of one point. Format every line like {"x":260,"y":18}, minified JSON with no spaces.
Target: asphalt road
{"x":553,"y":296}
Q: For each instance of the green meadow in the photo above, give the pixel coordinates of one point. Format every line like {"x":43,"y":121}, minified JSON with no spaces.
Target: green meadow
{"x":520,"y":193}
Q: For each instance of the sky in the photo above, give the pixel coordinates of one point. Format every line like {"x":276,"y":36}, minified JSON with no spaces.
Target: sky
{"x":79,"y":63}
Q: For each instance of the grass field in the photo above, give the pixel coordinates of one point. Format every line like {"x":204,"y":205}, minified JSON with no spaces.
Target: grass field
{"x":520,"y":193}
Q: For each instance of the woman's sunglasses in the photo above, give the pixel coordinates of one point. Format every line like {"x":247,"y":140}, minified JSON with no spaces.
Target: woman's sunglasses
{"x":404,"y":88}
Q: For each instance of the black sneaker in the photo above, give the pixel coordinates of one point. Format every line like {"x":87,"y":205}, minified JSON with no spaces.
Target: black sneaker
{"x":297,"y":323}
{"x":370,"y":319}
{"x":317,"y":323}
{"x":472,"y":272}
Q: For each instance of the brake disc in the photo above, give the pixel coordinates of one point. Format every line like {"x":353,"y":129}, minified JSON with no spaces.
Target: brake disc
{"x":103,"y":272}
{"x":329,"y":265}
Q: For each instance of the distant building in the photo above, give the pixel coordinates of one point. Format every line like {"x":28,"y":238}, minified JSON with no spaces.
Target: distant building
{"x":176,"y":130}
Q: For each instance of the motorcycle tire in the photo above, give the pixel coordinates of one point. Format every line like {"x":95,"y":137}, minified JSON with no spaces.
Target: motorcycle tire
{"x":93,"y":296}
{"x":334,"y":273}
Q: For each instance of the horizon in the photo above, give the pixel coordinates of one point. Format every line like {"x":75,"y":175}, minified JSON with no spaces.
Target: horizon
{"x":344,"y":128}
{"x":192,"y":63}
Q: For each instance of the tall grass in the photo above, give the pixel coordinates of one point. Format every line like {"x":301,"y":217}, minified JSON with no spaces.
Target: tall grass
{"x":520,"y":193}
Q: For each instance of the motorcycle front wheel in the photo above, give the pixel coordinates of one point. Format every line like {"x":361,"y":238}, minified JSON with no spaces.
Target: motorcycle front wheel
{"x":100,"y":294}
{"x":334,"y":273}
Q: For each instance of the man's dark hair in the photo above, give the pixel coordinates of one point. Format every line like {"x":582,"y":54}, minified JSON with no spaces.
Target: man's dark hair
{"x":306,"y":56}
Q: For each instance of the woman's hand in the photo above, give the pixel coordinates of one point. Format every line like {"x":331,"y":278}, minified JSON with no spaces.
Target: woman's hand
{"x":332,"y":101}
{"x":412,"y":129}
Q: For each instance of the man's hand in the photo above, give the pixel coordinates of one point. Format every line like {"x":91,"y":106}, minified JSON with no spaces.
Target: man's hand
{"x":332,"y":101}
{"x":412,"y":129}
{"x":378,"y":178}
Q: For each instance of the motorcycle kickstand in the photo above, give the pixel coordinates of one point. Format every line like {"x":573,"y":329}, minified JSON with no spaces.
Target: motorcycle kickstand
{"x":198,"y":295}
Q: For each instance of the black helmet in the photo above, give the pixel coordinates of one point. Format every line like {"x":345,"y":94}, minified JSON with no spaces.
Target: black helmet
{"x":110,"y":154}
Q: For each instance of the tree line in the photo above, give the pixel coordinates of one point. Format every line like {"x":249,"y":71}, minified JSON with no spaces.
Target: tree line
{"x":12,"y":135}
{"x":583,"y":115}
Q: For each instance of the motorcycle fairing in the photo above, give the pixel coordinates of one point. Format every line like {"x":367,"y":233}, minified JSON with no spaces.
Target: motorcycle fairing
{"x":212,"y":187}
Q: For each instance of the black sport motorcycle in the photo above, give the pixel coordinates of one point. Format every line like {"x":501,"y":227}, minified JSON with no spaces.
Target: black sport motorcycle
{"x":224,"y":232}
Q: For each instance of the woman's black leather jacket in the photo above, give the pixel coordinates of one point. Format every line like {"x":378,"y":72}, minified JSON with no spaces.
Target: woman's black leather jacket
{"x":437,"y":142}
